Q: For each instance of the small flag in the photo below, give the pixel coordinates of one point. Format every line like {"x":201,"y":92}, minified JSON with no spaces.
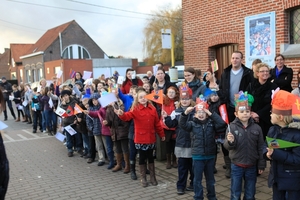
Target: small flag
{"x":156,"y":96}
{"x":214,"y":65}
{"x":72,"y":73}
{"x":61,"y":112}
{"x":77,"y":109}
{"x":278,"y":144}
{"x":69,"y":111}
{"x":223,"y":113}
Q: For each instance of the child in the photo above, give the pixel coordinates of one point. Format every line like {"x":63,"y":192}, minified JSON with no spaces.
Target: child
{"x":214,"y":103}
{"x":146,"y":124}
{"x":96,"y":127}
{"x":169,"y":106}
{"x":202,"y":132}
{"x":36,"y":110}
{"x":244,"y":140}
{"x":17,"y":100}
{"x":183,"y":149}
{"x":285,"y":162}
{"x":147,"y":88}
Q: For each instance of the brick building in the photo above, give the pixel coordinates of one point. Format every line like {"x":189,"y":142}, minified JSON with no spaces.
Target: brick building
{"x":214,"y":29}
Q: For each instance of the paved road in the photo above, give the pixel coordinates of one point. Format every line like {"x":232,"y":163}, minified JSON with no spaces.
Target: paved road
{"x":40,"y":169}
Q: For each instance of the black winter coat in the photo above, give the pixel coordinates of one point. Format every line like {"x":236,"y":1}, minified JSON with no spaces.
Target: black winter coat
{"x":285,"y":163}
{"x":202,"y":135}
{"x":284,"y":79}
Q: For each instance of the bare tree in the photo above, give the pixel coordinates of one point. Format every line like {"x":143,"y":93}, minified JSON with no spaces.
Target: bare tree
{"x":163,"y":19}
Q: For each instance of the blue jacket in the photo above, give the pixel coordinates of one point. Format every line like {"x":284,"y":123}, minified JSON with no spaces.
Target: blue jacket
{"x":285,"y":163}
{"x":183,"y":138}
{"x":127,"y":100}
{"x":94,"y":124}
{"x":202,"y":135}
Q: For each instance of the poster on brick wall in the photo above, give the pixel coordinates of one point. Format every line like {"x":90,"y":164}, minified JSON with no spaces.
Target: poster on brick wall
{"x":260,"y":38}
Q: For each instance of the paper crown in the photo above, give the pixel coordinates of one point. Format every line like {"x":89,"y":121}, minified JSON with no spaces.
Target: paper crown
{"x":201,"y":103}
{"x":185,"y":91}
{"x":243,"y":101}
{"x":282,"y":102}
{"x":208,"y":92}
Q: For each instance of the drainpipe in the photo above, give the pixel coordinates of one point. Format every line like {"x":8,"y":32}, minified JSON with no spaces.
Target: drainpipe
{"x":60,"y":44}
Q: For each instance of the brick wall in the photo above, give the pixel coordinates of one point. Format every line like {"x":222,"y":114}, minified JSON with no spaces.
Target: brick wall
{"x":208,"y":23}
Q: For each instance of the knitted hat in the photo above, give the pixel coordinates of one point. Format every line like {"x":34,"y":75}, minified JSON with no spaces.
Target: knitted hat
{"x":95,"y":96}
{"x":64,"y":92}
{"x":79,"y":83}
{"x":185,"y":91}
{"x":201,"y":103}
{"x":243,"y":101}
{"x":282,"y":103}
{"x":208,"y":92}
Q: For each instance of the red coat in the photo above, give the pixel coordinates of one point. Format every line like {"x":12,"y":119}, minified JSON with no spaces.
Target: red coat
{"x":126,"y":87}
{"x":146,"y":124}
{"x":168,"y":109}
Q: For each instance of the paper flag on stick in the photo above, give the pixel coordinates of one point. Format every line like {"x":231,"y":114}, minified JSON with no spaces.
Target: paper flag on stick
{"x":69,"y":111}
{"x":61,"y":112}
{"x":278,"y":144}
{"x":223,"y":113}
{"x":107,"y":99}
{"x":214,"y":65}
{"x":77,"y":109}
{"x":156,"y":96}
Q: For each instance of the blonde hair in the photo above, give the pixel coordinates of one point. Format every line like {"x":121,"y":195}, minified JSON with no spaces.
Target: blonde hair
{"x":136,"y":102}
{"x":287,"y":119}
{"x":258,"y":66}
{"x":191,"y":104}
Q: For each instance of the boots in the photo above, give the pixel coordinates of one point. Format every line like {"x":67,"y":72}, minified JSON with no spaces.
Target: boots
{"x":143,"y":175}
{"x":111,"y":160}
{"x":25,"y":119}
{"x":118,"y":167}
{"x":127,"y":165}
{"x":228,"y":166}
{"x":132,"y":170}
{"x":174,"y":160}
{"x":168,"y":166}
{"x":18,"y":119}
{"x":152,"y":174}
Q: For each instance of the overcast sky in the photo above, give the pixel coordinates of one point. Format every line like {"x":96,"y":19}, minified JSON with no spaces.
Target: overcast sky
{"x":116,"y":32}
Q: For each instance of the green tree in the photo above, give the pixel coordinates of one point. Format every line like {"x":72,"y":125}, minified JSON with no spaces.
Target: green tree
{"x":163,"y":19}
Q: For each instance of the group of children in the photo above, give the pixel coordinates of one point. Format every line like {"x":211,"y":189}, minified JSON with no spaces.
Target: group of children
{"x":129,"y":124}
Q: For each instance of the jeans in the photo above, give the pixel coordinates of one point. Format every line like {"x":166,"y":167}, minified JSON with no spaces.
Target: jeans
{"x":70,"y":141}
{"x":206,"y":166}
{"x":132,"y":150}
{"x":48,"y":119}
{"x":237,"y":176}
{"x":37,"y":118}
{"x":85,"y":140}
{"x":27,"y":112}
{"x":185,"y":165}
{"x":54,"y":120}
{"x":109,"y":145}
{"x":44,"y":120}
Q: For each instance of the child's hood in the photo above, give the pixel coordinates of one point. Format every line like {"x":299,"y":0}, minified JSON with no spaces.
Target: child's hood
{"x":295,"y":125}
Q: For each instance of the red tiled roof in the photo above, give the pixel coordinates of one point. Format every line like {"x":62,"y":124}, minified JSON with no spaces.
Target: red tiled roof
{"x":48,"y":38}
{"x":4,"y":58}
{"x":18,"y":50}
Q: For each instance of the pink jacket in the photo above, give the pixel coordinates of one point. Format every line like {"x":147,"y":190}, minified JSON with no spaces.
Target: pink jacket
{"x":101,"y":114}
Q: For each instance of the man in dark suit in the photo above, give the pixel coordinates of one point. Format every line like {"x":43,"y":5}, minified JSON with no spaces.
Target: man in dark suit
{"x":7,"y":90}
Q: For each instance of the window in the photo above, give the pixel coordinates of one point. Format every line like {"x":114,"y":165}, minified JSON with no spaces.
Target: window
{"x":21,"y":75}
{"x":75,"y":52}
{"x":295,"y":26}
{"x":28,"y":76}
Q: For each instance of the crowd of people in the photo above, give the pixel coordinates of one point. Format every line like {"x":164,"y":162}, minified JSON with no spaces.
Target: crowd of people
{"x":188,"y":119}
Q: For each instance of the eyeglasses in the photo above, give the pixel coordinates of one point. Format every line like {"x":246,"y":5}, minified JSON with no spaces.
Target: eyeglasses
{"x":264,"y":71}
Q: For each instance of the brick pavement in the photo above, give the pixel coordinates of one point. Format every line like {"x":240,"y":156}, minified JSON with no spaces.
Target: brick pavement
{"x":40,"y":169}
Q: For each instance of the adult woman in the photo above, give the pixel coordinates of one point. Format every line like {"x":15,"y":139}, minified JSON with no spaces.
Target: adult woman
{"x":161,"y":83}
{"x":261,"y":89}
{"x":4,"y":166}
{"x":193,"y":82}
{"x":78,"y":77}
{"x":281,"y":74}
{"x":129,"y":81}
{"x":211,"y":81}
